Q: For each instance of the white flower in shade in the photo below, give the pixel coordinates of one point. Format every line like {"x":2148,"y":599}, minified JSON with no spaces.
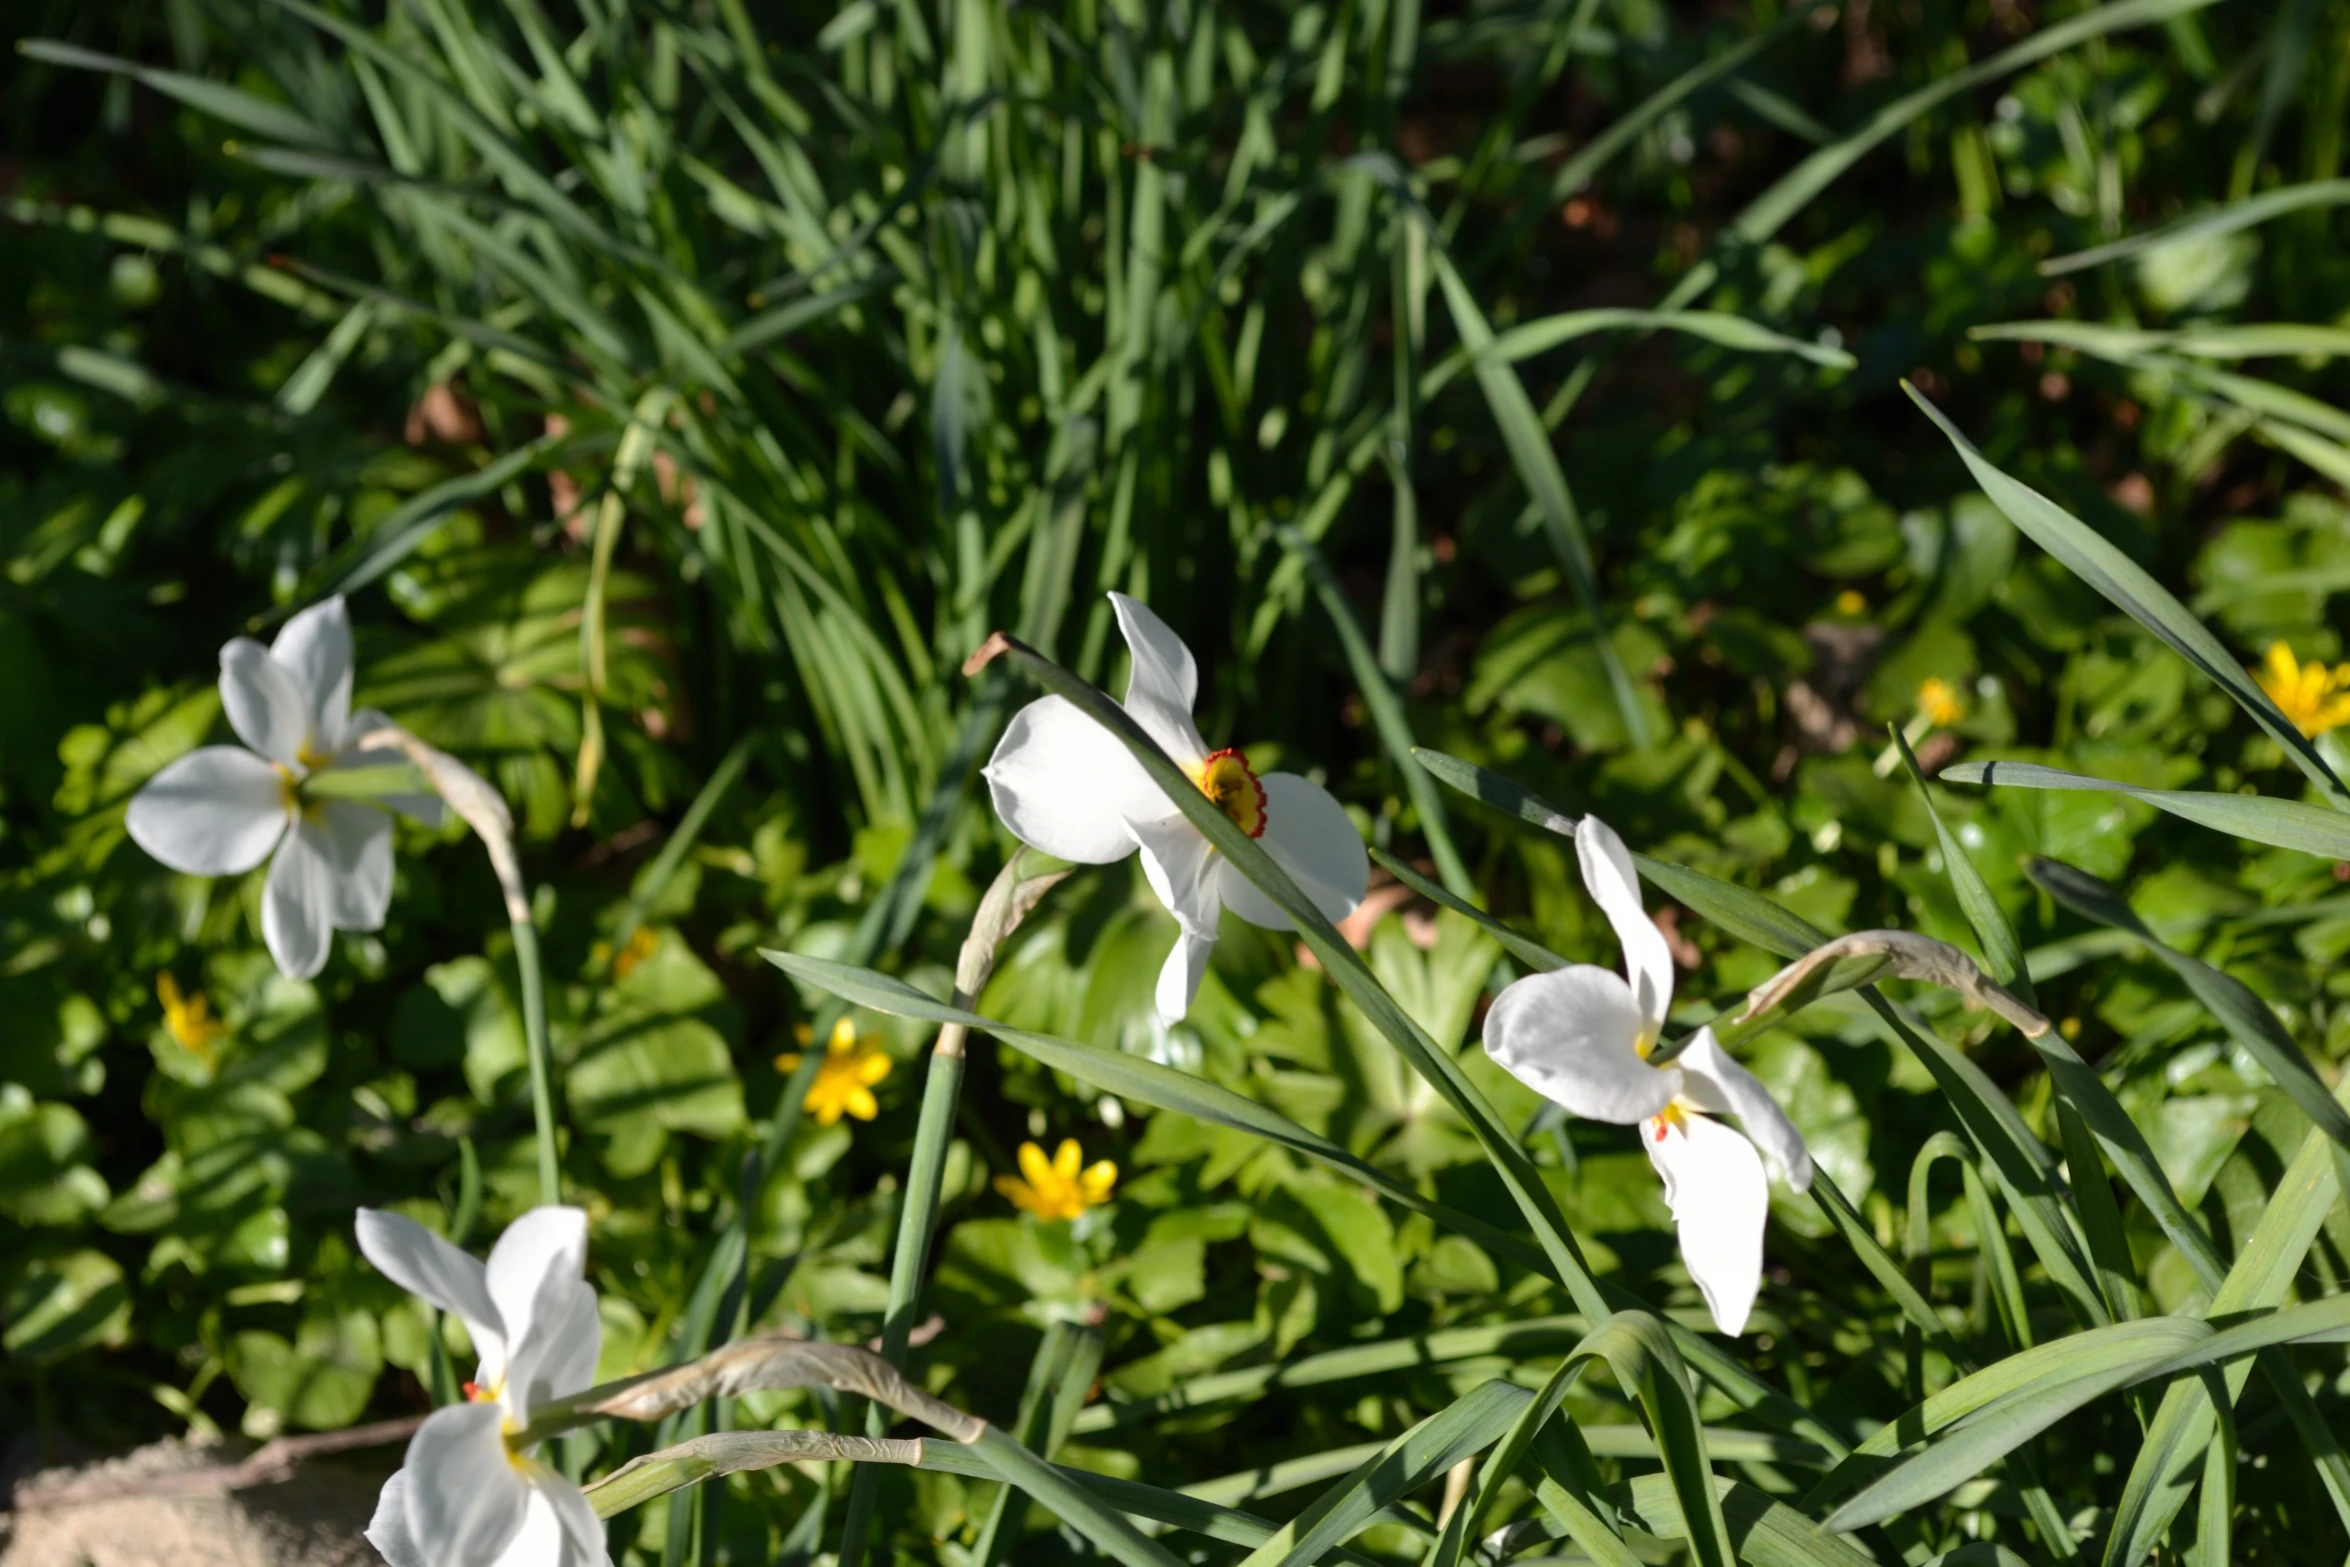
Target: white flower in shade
{"x":466,"y":1495}
{"x":1067,"y":786}
{"x":1581,"y":1037}
{"x":221,"y":810}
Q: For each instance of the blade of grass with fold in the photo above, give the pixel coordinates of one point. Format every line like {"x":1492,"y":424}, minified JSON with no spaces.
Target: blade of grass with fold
{"x":2248,"y":1019}
{"x":2235,"y":216}
{"x":1538,"y":469}
{"x":2287,"y":824}
{"x":2229,"y":340}
{"x":1993,"y":1412}
{"x":1527,"y":951}
{"x":1597,"y":1537}
{"x":636,"y":442}
{"x":1764,"y":1532}
{"x":1513,"y":1339}
{"x":2166,"y":1470}
{"x":1427,"y":1450}
{"x":1387,"y":714}
{"x":1719,"y":328}
{"x":2126,"y":585}
{"x":1162,"y":1087}
{"x":1058,"y":1381}
{"x":1179,"y":1509}
{"x":236,"y":107}
{"x":2001,"y":949}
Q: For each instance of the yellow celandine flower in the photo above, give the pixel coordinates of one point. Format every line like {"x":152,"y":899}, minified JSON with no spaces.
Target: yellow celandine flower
{"x":642,"y":945}
{"x":853,"y":1063}
{"x":1056,"y":1188}
{"x":1939,"y":700}
{"x":2314,"y":697}
{"x":1851,"y":601}
{"x":188,"y":1017}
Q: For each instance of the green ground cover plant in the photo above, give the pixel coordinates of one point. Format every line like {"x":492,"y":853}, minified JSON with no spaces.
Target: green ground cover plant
{"x":1882,"y":459}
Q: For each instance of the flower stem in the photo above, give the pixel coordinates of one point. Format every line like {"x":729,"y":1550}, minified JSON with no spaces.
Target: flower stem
{"x":534,"y":1028}
{"x":1007,"y":901}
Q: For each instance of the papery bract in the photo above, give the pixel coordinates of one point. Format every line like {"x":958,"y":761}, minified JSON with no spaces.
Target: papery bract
{"x":1067,"y":786}
{"x":467,"y":1495}
{"x":221,"y":810}
{"x":1581,"y":1037}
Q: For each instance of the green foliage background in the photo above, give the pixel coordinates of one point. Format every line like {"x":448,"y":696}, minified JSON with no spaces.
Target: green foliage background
{"x":681,"y":391}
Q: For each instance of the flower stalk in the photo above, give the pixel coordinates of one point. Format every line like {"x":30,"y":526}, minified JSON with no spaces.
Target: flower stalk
{"x":484,"y":810}
{"x":1008,"y":900}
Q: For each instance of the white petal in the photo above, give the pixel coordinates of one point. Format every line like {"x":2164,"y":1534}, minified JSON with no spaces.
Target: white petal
{"x":536,"y":1277}
{"x":583,"y":1531}
{"x":214,"y":812}
{"x":437,"y":1273}
{"x":1569,"y":1035}
{"x":297,"y":908}
{"x":315,"y":648}
{"x":1065,"y":785}
{"x":355,"y":841}
{"x":1180,"y":975}
{"x":1308,"y":835}
{"x":388,"y":1532}
{"x":1615,"y":887}
{"x":1715,"y":1185}
{"x":1180,"y":864}
{"x":541,"y":1542}
{"x":265,"y":703}
{"x":1163,"y":683}
{"x":466,"y":1498}
{"x":1712,"y":1081}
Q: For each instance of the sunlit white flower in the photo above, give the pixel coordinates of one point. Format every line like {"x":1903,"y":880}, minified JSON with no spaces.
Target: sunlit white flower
{"x":1066,"y":786}
{"x":1581,"y":1037}
{"x":221,"y":810}
{"x":466,"y":1495}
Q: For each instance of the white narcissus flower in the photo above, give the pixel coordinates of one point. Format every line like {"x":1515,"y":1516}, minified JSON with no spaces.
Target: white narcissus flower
{"x":466,"y":1496}
{"x":221,"y":810}
{"x":1581,"y":1038}
{"x":1067,"y":786}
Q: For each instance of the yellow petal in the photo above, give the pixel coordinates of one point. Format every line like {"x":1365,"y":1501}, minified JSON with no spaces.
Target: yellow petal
{"x":2281,"y":666}
{"x":844,"y":1037}
{"x":789,"y":1061}
{"x":872,"y":1067}
{"x":1035,"y":1166}
{"x":1015,"y":1189}
{"x":1066,"y":1159}
{"x":167,"y":991}
{"x":862,"y":1104}
{"x":803,"y":1033}
{"x":1097,"y":1181}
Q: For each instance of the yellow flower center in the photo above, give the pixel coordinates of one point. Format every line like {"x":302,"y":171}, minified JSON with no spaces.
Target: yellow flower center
{"x":1057,"y":1188}
{"x":1939,"y":700}
{"x":2313,"y":697}
{"x":188,"y":1018}
{"x":852,"y":1064}
{"x":310,"y":756}
{"x":1671,"y":1118}
{"x":1225,"y":778}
